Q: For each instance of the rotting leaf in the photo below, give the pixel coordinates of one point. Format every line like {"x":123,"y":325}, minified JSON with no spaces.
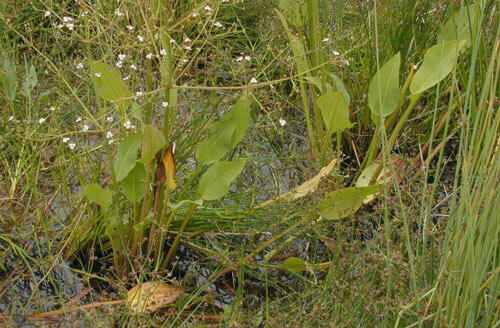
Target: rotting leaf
{"x":151,"y":296}
{"x":305,"y":188}
{"x":169,"y":166}
{"x":294,"y":264}
{"x":343,"y":202}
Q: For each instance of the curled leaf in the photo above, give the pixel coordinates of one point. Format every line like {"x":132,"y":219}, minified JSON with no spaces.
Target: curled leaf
{"x":151,"y":296}
{"x":169,"y":165}
{"x":294,"y":264}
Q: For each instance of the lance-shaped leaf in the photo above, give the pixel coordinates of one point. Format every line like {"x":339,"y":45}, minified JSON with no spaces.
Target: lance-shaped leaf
{"x":341,"y":88}
{"x":461,"y":25}
{"x":341,"y":203}
{"x":335,"y":112}
{"x":8,"y":79}
{"x":216,"y":180}
{"x":226,"y":133}
{"x":152,"y":141}
{"x":383,"y":93}
{"x":108,"y":84}
{"x":438,"y":63}
{"x":134,"y":184}
{"x":126,"y":156}
{"x":102,"y":197}
{"x":294,"y":264}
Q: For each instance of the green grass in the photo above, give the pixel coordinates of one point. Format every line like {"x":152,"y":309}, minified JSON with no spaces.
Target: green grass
{"x":423,"y":254}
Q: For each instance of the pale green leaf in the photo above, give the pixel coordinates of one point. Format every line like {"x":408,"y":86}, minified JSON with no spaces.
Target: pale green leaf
{"x":216,"y":180}
{"x":383,"y":92}
{"x":153,"y":140}
{"x":438,"y":63}
{"x":102,"y":197}
{"x":108,"y":84}
{"x":31,"y":80}
{"x":341,"y":88}
{"x":226,"y":133}
{"x":344,"y":202}
{"x":8,"y":79}
{"x":335,"y":112}
{"x":126,"y":156}
{"x":134,"y":184}
{"x":461,"y":25}
{"x":294,"y":264}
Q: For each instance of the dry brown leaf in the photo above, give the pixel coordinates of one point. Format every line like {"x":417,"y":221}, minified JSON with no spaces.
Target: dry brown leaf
{"x":304,"y":189}
{"x":150,"y":296}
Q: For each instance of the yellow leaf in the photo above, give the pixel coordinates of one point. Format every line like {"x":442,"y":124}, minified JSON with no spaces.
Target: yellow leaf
{"x":150,"y":296}
{"x":169,"y":163}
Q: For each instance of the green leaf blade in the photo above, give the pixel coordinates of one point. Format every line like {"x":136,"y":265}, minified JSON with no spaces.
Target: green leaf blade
{"x":335,"y":112}
{"x":109,"y":85}
{"x":134,"y":184}
{"x":126,"y":156}
{"x":216,"y":181}
{"x":94,"y":193}
{"x":461,"y":25}
{"x":383,"y":92}
{"x":343,"y":202}
{"x":294,"y":264}
{"x":153,"y":140}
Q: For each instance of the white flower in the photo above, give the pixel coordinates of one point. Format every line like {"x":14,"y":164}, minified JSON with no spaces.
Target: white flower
{"x":72,"y":145}
{"x":41,"y":120}
{"x":149,"y":56}
{"x":140,"y":38}
{"x":11,"y":118}
{"x":282,"y":122}
{"x":217,"y":24}
{"x":118,"y":12}
{"x":172,"y":41}
{"x":173,"y":147}
{"x":326,"y":39}
{"x":163,"y":52}
{"x":67,"y":19}
{"x":126,"y":78}
{"x":119,"y":64}
{"x":47,"y":13}
{"x":164,"y":104}
{"x":109,"y":135}
{"x":157,"y":36}
{"x":79,"y":66}
{"x":185,"y":60}
{"x":129,"y":27}
{"x":195,"y":14}
{"x":65,"y":139}
{"x":187,"y":48}
{"x":110,"y":141}
{"x":110,"y":119}
{"x":52,"y":109}
{"x":186,"y":39}
{"x":336,"y":53}
{"x":248,"y":58}
{"x":138,"y":93}
{"x":122,"y":56}
{"x":207,"y":8}
{"x":60,"y":26}
{"x":225,"y":0}
{"x":85,"y":128}
{"x":98,"y":74}
{"x":78,"y":119}
{"x":253,"y":80}
{"x":132,"y":66}
{"x":70,"y":26}
{"x":128,"y":125}
{"x":240,"y":58}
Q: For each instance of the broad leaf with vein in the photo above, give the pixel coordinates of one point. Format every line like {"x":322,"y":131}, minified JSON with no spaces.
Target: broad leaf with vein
{"x":461,"y":25}
{"x":108,"y":84}
{"x":383,"y":92}
{"x":335,"y":112}
{"x":126,"y":156}
{"x":341,"y":203}
{"x":294,"y":264}
{"x":96,"y":194}
{"x":225,"y":133}
{"x":153,"y":140}
{"x":134,"y":184}
{"x":438,"y":63}
{"x":216,"y":180}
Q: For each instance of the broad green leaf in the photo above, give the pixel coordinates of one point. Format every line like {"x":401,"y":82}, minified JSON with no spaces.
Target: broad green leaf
{"x":292,"y":10}
{"x":108,"y":84}
{"x":216,"y":181}
{"x":134,"y":184}
{"x":126,"y":156}
{"x":461,"y":25}
{"x":226,"y":133}
{"x":153,"y":140}
{"x":31,"y":80}
{"x":136,"y":112}
{"x":102,"y":197}
{"x":294,"y":264}
{"x":318,"y":83}
{"x":383,"y":93}
{"x":335,"y":112}
{"x":8,"y":79}
{"x":341,"y":88}
{"x":438,"y":63}
{"x":344,"y":202}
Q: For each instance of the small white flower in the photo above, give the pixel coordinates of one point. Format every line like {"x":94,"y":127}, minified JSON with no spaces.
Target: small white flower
{"x":140,"y":38}
{"x":42,"y":120}
{"x":195,"y":14}
{"x":98,"y":74}
{"x":67,"y":19}
{"x":110,"y":119}
{"x":70,"y":26}
{"x":157,"y":36}
{"x":65,"y":139}
{"x":118,"y":12}
{"x":11,"y":118}
{"x":240,"y":58}
{"x":172,"y":41}
{"x":173,"y":147}
{"x":128,"y":125}
{"x":129,"y":27}
{"x":186,"y":39}
{"x":185,"y":60}
{"x":60,"y":26}
{"x":207,"y":8}
{"x":149,"y":56}
{"x":217,"y":24}
{"x":326,"y":39}
{"x":109,"y":135}
{"x":126,"y":78}
{"x":225,"y":1}
{"x":253,"y":80}
{"x":85,"y":128}
{"x":164,"y":104}
{"x":122,"y":56}
{"x":52,"y":109}
{"x":110,"y":141}
{"x":248,"y":58}
{"x":78,"y":119}
{"x":119,"y":64}
{"x":132,"y":66}
{"x":79,"y":66}
{"x":163,"y":52}
{"x":47,"y":13}
{"x":335,"y":53}
{"x":187,"y":48}
{"x":282,"y":122}
{"x":138,"y":93}
{"x":72,"y":145}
